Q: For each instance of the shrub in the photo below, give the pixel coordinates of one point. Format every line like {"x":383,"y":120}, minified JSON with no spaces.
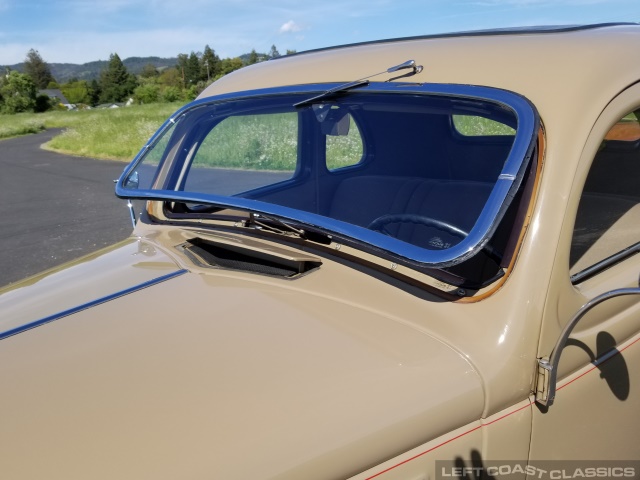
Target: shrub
{"x":147,"y":93}
{"x":171,"y":94}
{"x":18,"y":92}
{"x":43,"y":103}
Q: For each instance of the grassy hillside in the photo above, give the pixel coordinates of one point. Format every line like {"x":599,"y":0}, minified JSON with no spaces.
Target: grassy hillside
{"x":116,"y":134}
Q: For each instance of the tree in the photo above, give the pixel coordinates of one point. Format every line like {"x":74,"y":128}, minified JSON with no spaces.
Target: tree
{"x":228,"y":65}
{"x":191,"y":93}
{"x":189,"y":68}
{"x":116,"y":83}
{"x":18,"y":92}
{"x":94,"y":92}
{"x":253,"y":57}
{"x":274,"y":53}
{"x":149,"y":71}
{"x":43,"y":103}
{"x":37,"y":69}
{"x":183,"y":60}
{"x":171,"y":94}
{"x":210,"y":64}
{"x":171,"y":77}
{"x":147,"y":93}
{"x":192,"y":72}
{"x":77,"y":91}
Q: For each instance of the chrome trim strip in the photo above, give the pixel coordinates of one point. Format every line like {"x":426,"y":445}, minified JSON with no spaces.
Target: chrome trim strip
{"x":93,"y":303}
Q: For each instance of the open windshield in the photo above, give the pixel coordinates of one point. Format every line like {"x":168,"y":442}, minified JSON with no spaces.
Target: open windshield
{"x":425,"y":173}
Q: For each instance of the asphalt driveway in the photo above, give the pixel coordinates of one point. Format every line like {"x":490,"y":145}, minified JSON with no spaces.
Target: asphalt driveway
{"x":54,"y":207}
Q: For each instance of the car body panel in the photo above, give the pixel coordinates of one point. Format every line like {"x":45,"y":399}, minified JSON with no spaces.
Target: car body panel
{"x":598,"y":402}
{"x":102,"y":392}
{"x":600,"y":364}
{"x":463,"y":452}
{"x":106,"y":272}
{"x":360,"y":367}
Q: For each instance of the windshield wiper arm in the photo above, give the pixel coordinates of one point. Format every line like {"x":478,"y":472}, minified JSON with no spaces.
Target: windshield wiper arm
{"x":339,"y":89}
{"x":364,"y":81}
{"x":275,"y":225}
{"x":260,"y":220}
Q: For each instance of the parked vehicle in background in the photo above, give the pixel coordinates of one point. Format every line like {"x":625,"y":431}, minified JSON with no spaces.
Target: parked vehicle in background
{"x":404,"y":259}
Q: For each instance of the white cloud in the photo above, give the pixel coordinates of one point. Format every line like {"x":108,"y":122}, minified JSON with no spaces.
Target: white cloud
{"x":290,"y":27}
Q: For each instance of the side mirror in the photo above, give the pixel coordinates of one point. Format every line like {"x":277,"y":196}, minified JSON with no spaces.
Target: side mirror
{"x":548,"y":368}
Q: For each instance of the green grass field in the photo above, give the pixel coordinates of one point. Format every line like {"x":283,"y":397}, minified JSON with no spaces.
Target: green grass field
{"x":269,"y":142}
{"x":265,"y":142}
{"x":22,"y":124}
{"x":116,"y":134}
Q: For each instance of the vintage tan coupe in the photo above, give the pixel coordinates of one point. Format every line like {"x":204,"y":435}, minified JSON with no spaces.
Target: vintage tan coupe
{"x":357,"y":262}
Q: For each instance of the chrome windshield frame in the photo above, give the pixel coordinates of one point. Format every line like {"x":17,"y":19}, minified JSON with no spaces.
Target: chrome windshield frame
{"x":503,"y":192}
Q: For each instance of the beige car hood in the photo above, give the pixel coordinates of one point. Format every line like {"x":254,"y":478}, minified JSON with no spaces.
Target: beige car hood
{"x":221,"y":376}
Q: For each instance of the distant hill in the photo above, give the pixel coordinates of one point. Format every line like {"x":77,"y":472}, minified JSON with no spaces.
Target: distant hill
{"x":63,"y":72}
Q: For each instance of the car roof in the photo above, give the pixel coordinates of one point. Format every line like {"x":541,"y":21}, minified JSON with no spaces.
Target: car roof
{"x":561,"y":70}
{"x":525,"y":30}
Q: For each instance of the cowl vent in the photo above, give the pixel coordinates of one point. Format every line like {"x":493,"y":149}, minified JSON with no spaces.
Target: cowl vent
{"x":245,"y":258}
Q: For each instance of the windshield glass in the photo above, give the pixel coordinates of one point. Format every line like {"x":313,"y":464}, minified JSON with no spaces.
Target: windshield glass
{"x":409,"y":170}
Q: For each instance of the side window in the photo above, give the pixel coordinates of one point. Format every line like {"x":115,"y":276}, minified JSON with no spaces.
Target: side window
{"x":259,"y":149}
{"x":608,"y":218}
{"x":473,"y":126}
{"x":344,"y":148}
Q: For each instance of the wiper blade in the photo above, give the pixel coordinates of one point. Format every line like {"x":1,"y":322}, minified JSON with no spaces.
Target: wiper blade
{"x":260,"y":221}
{"x":409,"y":64}
{"x":339,"y":89}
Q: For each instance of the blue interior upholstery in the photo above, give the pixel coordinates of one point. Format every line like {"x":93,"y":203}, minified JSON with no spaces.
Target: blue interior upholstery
{"x":360,"y":200}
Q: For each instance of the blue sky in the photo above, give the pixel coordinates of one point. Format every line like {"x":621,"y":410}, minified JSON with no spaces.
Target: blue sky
{"x":78,"y":31}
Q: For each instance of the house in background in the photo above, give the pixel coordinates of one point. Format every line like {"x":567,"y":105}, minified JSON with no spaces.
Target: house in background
{"x":57,"y":95}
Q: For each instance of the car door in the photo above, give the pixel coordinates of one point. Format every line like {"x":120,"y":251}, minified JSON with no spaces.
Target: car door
{"x":594,"y":416}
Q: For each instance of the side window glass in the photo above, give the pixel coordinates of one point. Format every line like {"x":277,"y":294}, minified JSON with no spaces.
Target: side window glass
{"x":473,"y":126}
{"x":608,"y":218}
{"x":258,"y":149}
{"x":344,"y":145}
